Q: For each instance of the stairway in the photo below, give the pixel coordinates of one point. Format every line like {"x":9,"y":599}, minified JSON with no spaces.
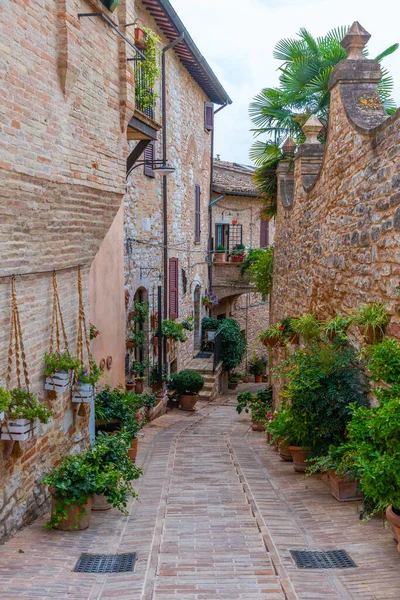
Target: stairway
{"x":204,"y":366}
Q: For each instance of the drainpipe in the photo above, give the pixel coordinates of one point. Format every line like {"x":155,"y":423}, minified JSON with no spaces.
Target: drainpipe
{"x":164,"y":179}
{"x":210,"y":231}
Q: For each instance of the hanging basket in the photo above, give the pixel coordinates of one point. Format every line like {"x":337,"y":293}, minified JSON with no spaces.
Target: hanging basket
{"x":19,"y":430}
{"x":83,"y":393}
{"x":59,"y":382}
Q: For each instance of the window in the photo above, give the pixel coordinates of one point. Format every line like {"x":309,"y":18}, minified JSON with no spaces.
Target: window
{"x":228,"y":236}
{"x":208,"y":116}
{"x":264,"y":234}
{"x":197,"y":224}
{"x":149,"y":158}
{"x":173,"y":288}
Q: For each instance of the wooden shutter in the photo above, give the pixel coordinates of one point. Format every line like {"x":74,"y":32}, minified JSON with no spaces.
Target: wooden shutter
{"x":264,"y":234}
{"x":149,"y":158}
{"x":173,"y":288}
{"x":208,"y":116}
{"x":197,"y":224}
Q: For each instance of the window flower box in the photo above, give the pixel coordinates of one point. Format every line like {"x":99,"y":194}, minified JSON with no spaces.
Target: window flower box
{"x":19,"y":430}
{"x":59,"y":382}
{"x":83,"y":393}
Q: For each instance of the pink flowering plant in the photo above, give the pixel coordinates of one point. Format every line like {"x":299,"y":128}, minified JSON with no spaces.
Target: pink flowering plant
{"x":94,"y":332}
{"x":58,"y":362}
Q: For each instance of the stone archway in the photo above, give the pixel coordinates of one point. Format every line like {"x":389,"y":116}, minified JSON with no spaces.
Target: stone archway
{"x":197,"y":319}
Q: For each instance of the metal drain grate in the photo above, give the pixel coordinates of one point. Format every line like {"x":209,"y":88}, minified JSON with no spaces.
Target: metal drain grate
{"x":105,"y":563}
{"x":331,"y":559}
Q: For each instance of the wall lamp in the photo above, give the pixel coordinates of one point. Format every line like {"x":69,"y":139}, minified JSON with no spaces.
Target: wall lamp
{"x":157,"y":165}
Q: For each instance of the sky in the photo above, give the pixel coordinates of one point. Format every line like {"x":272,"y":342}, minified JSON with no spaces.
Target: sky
{"x":237,"y":38}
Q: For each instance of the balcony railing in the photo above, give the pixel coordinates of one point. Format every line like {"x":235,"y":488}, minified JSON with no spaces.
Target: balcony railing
{"x":145,"y":97}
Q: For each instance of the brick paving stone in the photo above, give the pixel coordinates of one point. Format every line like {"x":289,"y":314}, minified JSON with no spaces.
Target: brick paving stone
{"x":218,"y":513}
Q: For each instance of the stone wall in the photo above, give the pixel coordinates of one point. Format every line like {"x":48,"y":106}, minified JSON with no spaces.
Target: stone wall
{"x":62,"y":179}
{"x":189,"y":152}
{"x":337,"y":242}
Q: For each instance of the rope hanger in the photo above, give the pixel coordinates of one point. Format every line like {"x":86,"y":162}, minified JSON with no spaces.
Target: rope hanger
{"x":57,"y":321}
{"x":16,"y":344}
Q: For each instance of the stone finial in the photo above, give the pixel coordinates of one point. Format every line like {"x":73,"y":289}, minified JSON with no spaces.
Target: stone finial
{"x":311,"y":128}
{"x":355,"y":41}
{"x":289,"y":146}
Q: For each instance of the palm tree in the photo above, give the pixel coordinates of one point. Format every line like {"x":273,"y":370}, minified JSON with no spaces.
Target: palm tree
{"x":304,"y":78}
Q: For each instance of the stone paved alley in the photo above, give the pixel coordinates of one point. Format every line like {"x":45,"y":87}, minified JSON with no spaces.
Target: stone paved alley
{"x":218,"y":514}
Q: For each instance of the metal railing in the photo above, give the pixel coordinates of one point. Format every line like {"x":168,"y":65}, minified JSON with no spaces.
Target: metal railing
{"x":217,"y":350}
{"x":145,"y":98}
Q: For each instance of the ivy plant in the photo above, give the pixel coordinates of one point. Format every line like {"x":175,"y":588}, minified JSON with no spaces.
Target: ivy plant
{"x":261,"y":272}
{"x":148,"y":71}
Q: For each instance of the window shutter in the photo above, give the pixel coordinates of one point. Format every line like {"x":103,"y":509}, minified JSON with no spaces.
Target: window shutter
{"x":149,"y":158}
{"x":197,"y":224}
{"x":264,"y":234}
{"x":208,"y":116}
{"x":173,"y":288}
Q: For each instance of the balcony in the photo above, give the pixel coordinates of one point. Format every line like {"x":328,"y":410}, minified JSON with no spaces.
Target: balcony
{"x":229,"y":281}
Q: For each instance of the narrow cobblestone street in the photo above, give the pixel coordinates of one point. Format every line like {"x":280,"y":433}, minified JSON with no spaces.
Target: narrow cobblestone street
{"x":217,"y":516}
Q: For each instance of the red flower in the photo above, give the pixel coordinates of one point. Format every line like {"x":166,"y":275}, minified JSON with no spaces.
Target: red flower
{"x":282,"y":328}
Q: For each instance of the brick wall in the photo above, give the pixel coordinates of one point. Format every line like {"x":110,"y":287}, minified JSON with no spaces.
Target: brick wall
{"x":62,"y":179}
{"x":337,"y":245}
{"x":188,"y":151}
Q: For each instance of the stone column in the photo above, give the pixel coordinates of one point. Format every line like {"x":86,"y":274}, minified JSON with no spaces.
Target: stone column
{"x":311,"y":153}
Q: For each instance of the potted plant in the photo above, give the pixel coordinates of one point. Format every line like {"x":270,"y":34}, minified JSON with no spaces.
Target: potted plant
{"x":5,"y":399}
{"x":337,"y":326}
{"x":155,"y":386}
{"x":22,"y":411}
{"x":140,"y":312}
{"x":292,"y":435}
{"x":85,"y":382}
{"x":372,"y":320}
{"x":172,"y":329}
{"x":258,"y":405}
{"x":307,"y":326}
{"x":137,"y":370}
{"x":210,"y":301}
{"x":279,"y":334}
{"x":220,"y":254}
{"x":238,"y":253}
{"x":148,"y":71}
{"x":339,"y":464}
{"x":130,"y":384}
{"x":187,"y":384}
{"x":257,"y":367}
{"x":140,"y":38}
{"x":93,"y":332}
{"x":59,"y":369}
{"x":188,"y":323}
{"x":280,"y":432}
{"x":116,"y":471}
{"x":233,"y":380}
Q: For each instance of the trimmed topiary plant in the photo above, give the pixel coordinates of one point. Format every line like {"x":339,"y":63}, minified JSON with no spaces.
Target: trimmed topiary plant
{"x":186,"y":384}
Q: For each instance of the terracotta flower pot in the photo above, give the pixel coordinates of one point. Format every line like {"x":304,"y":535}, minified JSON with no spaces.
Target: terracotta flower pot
{"x":394,"y":522}
{"x":372,"y":335}
{"x":299,"y":456}
{"x":285,"y":453}
{"x":258,"y":378}
{"x":139,"y":387}
{"x":188,"y":401}
{"x":140,"y":39}
{"x":129,"y":344}
{"x":232,"y":386}
{"x":246,"y":379}
{"x":130,"y":385}
{"x":100,"y":503}
{"x":220,"y":257}
{"x":344,"y":489}
{"x":237,"y":259}
{"x":294,"y":338}
{"x":132,"y":452}
{"x":78,"y":517}
{"x":258,"y":425}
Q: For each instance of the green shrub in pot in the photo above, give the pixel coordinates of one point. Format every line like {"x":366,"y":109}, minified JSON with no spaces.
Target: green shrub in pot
{"x":186,"y":382}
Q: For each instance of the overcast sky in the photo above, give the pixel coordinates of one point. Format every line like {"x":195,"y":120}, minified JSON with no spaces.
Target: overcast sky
{"x":237,"y":37}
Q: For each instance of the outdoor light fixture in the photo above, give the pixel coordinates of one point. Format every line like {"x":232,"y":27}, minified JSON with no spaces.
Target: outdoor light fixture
{"x":157,"y":165}
{"x":164,"y":169}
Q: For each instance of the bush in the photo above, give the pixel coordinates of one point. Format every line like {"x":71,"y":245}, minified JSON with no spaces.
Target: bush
{"x":383,"y":361}
{"x":257,"y":404}
{"x":233,"y":344}
{"x":186,"y":382}
{"x":322,"y":382}
{"x":211,"y":323}
{"x":261,"y":272}
{"x":257,"y":365}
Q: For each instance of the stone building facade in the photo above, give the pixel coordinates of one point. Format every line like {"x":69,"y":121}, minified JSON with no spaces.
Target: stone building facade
{"x":63,"y":134}
{"x":189,"y":149}
{"x":236,"y":220}
{"x":337,"y":241}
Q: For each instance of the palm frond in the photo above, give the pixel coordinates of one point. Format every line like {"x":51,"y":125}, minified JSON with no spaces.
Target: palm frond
{"x":312,"y":44}
{"x":337,"y":33}
{"x":288,"y":50}
{"x":387,"y":52}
